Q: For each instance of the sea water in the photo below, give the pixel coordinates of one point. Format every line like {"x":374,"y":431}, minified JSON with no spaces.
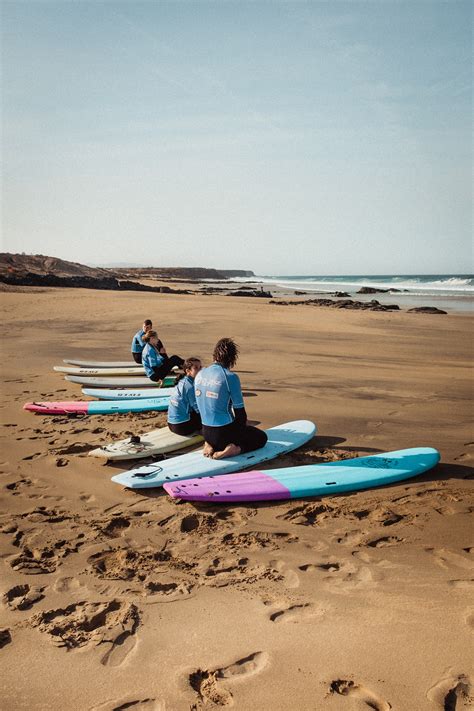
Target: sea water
{"x":450,"y":292}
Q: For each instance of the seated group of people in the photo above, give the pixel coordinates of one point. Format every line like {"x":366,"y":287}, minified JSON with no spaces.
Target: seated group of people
{"x":205,"y":399}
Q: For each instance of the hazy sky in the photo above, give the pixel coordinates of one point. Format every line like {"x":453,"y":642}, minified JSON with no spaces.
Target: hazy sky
{"x":284,"y":137}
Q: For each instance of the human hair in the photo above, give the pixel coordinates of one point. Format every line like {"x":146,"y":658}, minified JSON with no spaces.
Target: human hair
{"x":226,"y":352}
{"x":147,"y":322}
{"x":189,"y":362}
{"x":148,"y":335}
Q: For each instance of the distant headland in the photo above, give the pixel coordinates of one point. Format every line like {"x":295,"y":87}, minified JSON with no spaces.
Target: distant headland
{"x":41,"y":270}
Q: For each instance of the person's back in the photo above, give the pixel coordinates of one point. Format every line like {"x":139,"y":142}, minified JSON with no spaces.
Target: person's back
{"x":151,"y":359}
{"x":218,"y":392}
{"x":138,"y":343}
{"x":221,"y":406}
{"x":183,"y":413}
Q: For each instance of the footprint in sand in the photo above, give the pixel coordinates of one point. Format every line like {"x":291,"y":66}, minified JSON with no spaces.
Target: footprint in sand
{"x":297,"y":613}
{"x":16,"y":487}
{"x":114,"y":527}
{"x":83,"y":624}
{"x":121,"y":646}
{"x":208,"y":684}
{"x":87,"y":498}
{"x":350,"y":538}
{"x":167,"y":590}
{"x":344,"y":577}
{"x":384,"y":541}
{"x":453,"y":693}
{"x":22,"y":597}
{"x":258,"y":539}
{"x":290,"y":577}
{"x":446,"y":559}
{"x":346,"y":687}
{"x":65,"y":584}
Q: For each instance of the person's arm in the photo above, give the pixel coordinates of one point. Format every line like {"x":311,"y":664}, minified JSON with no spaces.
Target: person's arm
{"x":161,"y":349}
{"x":237,"y":399}
{"x":192,"y":399}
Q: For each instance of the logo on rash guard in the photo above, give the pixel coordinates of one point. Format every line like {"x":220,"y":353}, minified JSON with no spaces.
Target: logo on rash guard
{"x":209,"y":381}
{"x":210,"y":394}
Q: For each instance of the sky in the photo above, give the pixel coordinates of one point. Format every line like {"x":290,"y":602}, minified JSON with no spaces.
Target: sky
{"x":282,"y":137}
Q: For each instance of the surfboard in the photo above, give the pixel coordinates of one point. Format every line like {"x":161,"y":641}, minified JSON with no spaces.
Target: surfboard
{"x":106,"y":364}
{"x":101,"y":363}
{"x":151,"y":443}
{"x":107,"y":372}
{"x":97,"y":407}
{"x":281,"y":439}
{"x":308,"y":480}
{"x":130,"y":382}
{"x":116,"y":394}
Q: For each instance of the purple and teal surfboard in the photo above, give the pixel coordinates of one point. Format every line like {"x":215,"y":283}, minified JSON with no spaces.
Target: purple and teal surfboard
{"x":308,"y":480}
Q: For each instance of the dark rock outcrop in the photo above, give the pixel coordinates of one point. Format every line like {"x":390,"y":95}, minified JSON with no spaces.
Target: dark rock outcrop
{"x":373,"y":290}
{"x":85,"y":282}
{"x":427,"y":310}
{"x":346,"y":304}
{"x":254,"y":292}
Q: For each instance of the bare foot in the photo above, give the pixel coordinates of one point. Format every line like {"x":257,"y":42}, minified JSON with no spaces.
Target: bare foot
{"x":208,"y":451}
{"x":230,"y":451}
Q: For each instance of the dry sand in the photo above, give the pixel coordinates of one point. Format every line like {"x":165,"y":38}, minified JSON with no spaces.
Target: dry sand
{"x":115,"y":600}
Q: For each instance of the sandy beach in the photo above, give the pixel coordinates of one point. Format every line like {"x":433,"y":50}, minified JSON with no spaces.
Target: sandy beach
{"x":113,"y":599}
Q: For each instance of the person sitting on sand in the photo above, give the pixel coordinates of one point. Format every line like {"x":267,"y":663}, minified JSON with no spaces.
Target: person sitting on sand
{"x":183,"y":413}
{"x":138,"y":343}
{"x":155,"y":359}
{"x":221,"y":406}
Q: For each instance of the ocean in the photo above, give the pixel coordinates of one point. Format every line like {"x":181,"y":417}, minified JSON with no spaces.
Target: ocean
{"x":451,"y":292}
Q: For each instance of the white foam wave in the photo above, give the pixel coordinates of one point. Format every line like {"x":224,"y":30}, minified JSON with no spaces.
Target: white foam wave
{"x":451,"y":284}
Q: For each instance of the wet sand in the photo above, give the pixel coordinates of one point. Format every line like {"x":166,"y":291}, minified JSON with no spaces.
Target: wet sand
{"x":113,"y":599}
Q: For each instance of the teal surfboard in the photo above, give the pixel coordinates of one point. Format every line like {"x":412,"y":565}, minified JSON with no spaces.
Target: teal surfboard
{"x":308,"y":480}
{"x":281,"y":439}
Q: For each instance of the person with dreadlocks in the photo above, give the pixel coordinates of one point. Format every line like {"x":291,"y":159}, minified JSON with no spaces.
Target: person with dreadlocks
{"x":221,"y":406}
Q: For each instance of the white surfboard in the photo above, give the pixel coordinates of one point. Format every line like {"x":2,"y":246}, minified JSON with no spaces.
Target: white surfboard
{"x":281,"y":440}
{"x":101,"y":363}
{"x":105,"y":363}
{"x":107,"y":372}
{"x":151,"y":443}
{"x":127,"y":394}
{"x":125,"y":382}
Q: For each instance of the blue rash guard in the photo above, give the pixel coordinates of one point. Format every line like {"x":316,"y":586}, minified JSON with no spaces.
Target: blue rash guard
{"x":182,"y":401}
{"x":138,"y":343}
{"x":218,"y":395}
{"x":151,"y":359}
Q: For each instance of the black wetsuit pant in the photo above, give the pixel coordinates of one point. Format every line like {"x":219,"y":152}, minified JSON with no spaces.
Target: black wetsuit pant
{"x":161,"y":371}
{"x":187,"y":428}
{"x":137,"y":357}
{"x":246,"y":437}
